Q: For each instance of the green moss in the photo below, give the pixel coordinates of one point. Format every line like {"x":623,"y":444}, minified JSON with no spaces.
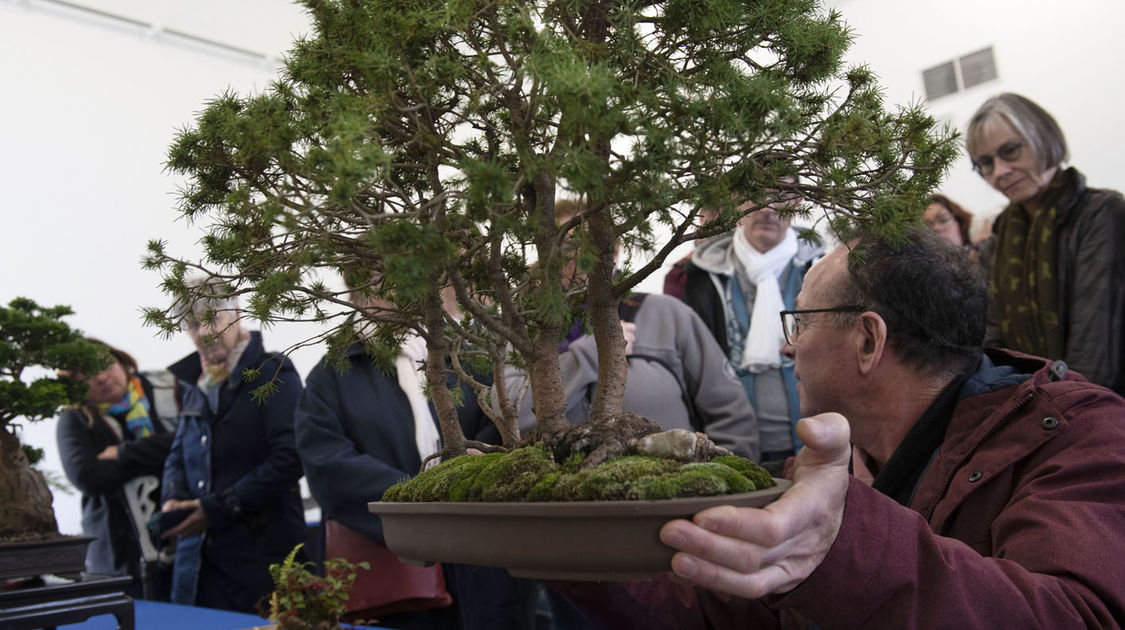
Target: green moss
{"x":612,"y":479}
{"x":693,"y":480}
{"x":448,"y":481}
{"x":394,"y":493}
{"x":544,"y":489}
{"x":462,"y":484}
{"x":529,"y":474}
{"x":511,"y":477}
{"x":755,"y":473}
{"x":574,"y":462}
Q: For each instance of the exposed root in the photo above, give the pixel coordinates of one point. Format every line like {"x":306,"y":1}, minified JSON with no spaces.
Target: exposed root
{"x":628,"y":434}
{"x":480,"y":447}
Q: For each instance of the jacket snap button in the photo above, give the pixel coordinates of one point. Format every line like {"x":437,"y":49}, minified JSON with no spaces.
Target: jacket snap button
{"x":199,"y":484}
{"x":1050,"y":423}
{"x":975,"y":476}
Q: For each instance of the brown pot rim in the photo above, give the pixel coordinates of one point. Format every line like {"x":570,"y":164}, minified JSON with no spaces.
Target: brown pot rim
{"x":579,"y":509}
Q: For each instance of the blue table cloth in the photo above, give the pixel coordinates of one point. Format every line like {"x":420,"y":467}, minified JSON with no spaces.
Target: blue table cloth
{"x":162,"y":616}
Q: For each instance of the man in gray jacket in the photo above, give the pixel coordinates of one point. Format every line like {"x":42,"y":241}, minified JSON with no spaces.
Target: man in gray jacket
{"x":679,"y":376}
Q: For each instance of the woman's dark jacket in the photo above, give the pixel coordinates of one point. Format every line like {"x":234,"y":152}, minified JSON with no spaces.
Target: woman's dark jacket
{"x":242,"y":463}
{"x":115,"y":549}
{"x":1091,"y":277}
{"x":355,"y":433}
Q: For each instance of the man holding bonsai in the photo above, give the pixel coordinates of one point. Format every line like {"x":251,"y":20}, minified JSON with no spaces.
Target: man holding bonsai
{"x":988,"y":487}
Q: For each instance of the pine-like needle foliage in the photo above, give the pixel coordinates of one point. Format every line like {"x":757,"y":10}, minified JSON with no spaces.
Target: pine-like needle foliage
{"x":426,"y":142}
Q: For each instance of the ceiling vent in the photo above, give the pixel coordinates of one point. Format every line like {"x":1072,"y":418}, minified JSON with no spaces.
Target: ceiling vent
{"x":959,"y":74}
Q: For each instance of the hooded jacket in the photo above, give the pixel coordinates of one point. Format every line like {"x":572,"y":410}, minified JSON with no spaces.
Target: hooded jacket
{"x":709,"y":273}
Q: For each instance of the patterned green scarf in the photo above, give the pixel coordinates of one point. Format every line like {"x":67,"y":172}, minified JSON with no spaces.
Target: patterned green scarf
{"x":1023,"y":281}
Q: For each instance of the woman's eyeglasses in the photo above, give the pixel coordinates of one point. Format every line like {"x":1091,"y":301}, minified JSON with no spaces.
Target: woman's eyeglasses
{"x":1009,"y":152}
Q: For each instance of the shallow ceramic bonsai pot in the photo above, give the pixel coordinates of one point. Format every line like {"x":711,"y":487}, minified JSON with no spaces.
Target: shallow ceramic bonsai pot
{"x":62,"y":555}
{"x":576,"y":540}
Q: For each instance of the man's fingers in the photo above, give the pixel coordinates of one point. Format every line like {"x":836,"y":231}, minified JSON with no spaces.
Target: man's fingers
{"x":726,"y":549}
{"x":723,"y":579}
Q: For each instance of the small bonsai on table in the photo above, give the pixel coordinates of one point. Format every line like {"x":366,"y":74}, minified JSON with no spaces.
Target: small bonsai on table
{"x":34,"y":340}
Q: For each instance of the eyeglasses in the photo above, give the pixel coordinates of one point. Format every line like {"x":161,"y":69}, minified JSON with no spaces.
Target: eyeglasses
{"x":791,"y":322}
{"x":1009,"y":152}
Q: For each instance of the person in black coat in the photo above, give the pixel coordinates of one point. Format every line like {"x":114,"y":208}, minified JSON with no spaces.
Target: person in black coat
{"x":234,"y":465}
{"x":112,"y":449}
{"x":358,"y":433}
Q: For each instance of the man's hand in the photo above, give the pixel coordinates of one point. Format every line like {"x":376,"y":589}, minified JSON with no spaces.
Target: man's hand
{"x":195,"y":523}
{"x":751,"y":552}
{"x":109,"y":453}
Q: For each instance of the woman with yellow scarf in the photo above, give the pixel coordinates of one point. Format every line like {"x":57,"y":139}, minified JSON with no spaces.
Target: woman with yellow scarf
{"x":108,"y":446}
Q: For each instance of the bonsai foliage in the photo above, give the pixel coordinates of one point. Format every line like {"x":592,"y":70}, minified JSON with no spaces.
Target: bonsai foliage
{"x":425,"y":143}
{"x":34,"y":338}
{"x":303,"y":600}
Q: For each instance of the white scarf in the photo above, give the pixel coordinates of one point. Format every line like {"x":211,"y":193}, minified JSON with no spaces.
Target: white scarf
{"x":762,"y":348}
{"x":408,"y":364}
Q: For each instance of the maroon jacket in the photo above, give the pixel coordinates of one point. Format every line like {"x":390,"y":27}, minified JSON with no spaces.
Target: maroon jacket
{"x":1019,"y":522}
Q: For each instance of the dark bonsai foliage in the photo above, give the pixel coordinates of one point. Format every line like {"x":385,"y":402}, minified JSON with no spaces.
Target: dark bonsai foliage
{"x":426,"y":143}
{"x":35,"y":338}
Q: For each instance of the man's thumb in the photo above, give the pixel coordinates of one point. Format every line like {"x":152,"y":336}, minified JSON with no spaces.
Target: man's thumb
{"x":826,"y":437}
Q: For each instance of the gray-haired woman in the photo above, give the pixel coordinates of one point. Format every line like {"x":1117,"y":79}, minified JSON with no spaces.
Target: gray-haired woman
{"x":1057,"y":271}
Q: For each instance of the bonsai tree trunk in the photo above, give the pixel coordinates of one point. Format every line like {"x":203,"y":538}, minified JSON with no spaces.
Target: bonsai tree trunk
{"x":25,"y":498}
{"x":437,"y":349}
{"x":609,"y":397}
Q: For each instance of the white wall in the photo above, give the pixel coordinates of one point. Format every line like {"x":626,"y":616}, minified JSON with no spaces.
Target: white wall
{"x":1065,"y":56}
{"x":87,"y":112}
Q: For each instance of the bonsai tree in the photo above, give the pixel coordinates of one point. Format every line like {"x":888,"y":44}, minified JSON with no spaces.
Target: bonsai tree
{"x":34,"y":338}
{"x":425,"y":144}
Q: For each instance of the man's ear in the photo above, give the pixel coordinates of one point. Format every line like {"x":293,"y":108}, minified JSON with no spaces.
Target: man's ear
{"x":872,"y":341}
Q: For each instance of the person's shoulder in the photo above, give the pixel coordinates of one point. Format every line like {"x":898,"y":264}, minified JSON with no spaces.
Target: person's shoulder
{"x":660,"y":303}
{"x":1106,"y":203}
{"x":810,"y":248}
{"x":712,"y":256}
{"x":666,"y":314}
{"x":1074,"y":393}
{"x":279,"y":358}
{"x":338,"y":366}
{"x":71,"y":417}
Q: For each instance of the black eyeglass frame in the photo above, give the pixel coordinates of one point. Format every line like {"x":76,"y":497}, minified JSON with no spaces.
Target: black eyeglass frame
{"x":850,"y":308}
{"x":1009,"y":152}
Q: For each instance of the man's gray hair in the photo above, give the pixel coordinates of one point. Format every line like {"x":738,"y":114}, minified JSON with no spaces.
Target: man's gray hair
{"x":208,"y":294}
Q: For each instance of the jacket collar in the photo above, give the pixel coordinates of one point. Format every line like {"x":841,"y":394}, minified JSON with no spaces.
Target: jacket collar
{"x":1004,"y":384}
{"x":189,"y":368}
{"x":716,"y":255}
